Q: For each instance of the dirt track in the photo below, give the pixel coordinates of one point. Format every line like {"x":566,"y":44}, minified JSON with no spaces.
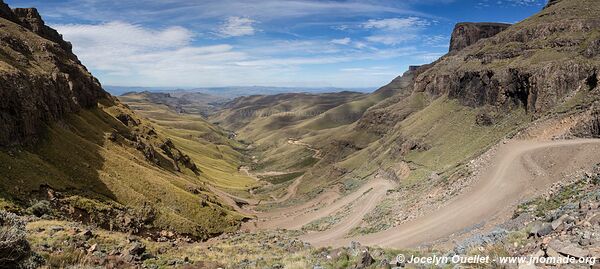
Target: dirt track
{"x":520,"y":170}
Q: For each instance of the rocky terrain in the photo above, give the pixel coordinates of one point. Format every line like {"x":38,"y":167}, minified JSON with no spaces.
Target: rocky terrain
{"x":41,"y":81}
{"x":69,"y":151}
{"x":496,"y":125}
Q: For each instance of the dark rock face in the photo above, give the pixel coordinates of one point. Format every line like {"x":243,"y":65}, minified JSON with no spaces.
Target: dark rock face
{"x":466,"y":34}
{"x":590,"y":126}
{"x":536,"y":90}
{"x":551,"y":3}
{"x":41,"y":80}
{"x":30,"y":18}
{"x":7,"y":13}
{"x":535,"y":65}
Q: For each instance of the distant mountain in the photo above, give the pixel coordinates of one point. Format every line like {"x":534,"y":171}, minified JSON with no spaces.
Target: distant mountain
{"x":236,"y":91}
{"x":179,"y":101}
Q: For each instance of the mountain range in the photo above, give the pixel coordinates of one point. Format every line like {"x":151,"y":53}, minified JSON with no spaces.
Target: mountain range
{"x":490,"y":149}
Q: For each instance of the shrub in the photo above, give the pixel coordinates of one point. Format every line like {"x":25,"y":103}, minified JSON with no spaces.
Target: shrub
{"x":40,"y":208}
{"x":14,"y":248}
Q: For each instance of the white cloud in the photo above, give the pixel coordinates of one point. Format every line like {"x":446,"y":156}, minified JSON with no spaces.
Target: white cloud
{"x":181,"y":11}
{"x":396,"y":23}
{"x":131,"y":55}
{"x":237,"y":26}
{"x":342,"y":41}
{"x":391,"y":38}
{"x":127,"y":36}
{"x":393,"y":31}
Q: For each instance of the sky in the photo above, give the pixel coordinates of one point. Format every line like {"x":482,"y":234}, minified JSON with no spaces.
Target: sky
{"x":285,"y":43}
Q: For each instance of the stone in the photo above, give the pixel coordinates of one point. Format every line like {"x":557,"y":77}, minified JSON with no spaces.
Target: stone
{"x":366,"y":260}
{"x":137,"y":249}
{"x":544,"y":230}
{"x":541,"y":229}
{"x":568,"y":249}
{"x":92,"y":248}
{"x":574,"y":251}
{"x":87,"y":234}
{"x":557,"y":223}
{"x":57,"y":228}
{"x":550,"y":252}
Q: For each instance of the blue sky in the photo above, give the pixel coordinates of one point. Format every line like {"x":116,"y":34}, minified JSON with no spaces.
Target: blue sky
{"x":297,"y":43}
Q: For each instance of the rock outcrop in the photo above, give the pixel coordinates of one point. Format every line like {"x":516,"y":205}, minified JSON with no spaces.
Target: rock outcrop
{"x":551,"y":2}
{"x":30,"y":18}
{"x":535,"y":64}
{"x":40,"y":78}
{"x":466,"y":34}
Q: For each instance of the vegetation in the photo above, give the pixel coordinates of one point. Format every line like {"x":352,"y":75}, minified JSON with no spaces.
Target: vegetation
{"x":278,"y":179}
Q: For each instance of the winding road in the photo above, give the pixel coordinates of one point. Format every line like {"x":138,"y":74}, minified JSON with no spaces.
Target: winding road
{"x":520,"y":170}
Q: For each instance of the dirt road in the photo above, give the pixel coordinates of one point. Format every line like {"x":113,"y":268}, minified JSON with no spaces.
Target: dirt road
{"x":520,"y":170}
{"x":366,"y":197}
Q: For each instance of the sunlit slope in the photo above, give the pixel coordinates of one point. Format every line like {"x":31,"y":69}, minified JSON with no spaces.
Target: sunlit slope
{"x":108,"y":181}
{"x":216,"y":154}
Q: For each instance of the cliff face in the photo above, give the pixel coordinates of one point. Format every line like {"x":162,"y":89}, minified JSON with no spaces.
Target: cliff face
{"x":466,"y":34}
{"x":535,"y":64}
{"x":40,"y":78}
{"x":30,"y":18}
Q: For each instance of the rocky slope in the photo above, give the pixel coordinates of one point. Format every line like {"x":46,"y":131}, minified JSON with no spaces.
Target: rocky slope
{"x":41,"y":79}
{"x":69,"y":150}
{"x":535,"y":64}
{"x":425,"y":126}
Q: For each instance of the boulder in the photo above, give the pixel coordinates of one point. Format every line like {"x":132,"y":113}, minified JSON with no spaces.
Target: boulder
{"x":568,"y":249}
{"x":541,"y":229}
{"x":365,"y":260}
{"x":557,"y":223}
{"x":137,"y":249}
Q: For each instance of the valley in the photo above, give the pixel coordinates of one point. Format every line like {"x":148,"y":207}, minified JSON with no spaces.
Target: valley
{"x":492,"y":149}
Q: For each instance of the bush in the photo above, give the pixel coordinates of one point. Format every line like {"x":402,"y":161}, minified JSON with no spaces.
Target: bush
{"x":40,"y":208}
{"x":14,"y":248}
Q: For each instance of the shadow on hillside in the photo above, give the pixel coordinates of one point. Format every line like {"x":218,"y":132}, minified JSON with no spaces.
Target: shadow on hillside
{"x":67,"y":159}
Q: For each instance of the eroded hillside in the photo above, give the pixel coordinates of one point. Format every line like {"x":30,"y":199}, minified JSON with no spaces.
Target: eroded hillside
{"x":424,"y":161}
{"x":72,"y":151}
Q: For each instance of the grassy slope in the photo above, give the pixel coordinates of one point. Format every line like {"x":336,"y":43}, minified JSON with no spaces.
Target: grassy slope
{"x":77,"y":158}
{"x":446,"y":130}
{"x":209,"y":147}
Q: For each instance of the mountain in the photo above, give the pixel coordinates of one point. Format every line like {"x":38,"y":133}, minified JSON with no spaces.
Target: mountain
{"x":234,"y":91}
{"x":479,"y":152}
{"x":41,"y":79}
{"x":426,"y":127}
{"x":78,"y":153}
{"x":180,"y":101}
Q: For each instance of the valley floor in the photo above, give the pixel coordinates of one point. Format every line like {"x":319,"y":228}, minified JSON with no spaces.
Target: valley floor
{"x":521,"y":170}
{"x":542,"y":192}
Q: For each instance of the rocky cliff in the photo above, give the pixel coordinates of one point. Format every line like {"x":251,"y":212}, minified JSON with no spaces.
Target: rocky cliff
{"x":466,"y":34}
{"x":40,"y":78}
{"x":535,"y":64}
{"x":85,"y":156}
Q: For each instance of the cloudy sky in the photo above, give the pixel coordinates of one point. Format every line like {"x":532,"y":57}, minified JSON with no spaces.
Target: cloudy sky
{"x":300,"y":43}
